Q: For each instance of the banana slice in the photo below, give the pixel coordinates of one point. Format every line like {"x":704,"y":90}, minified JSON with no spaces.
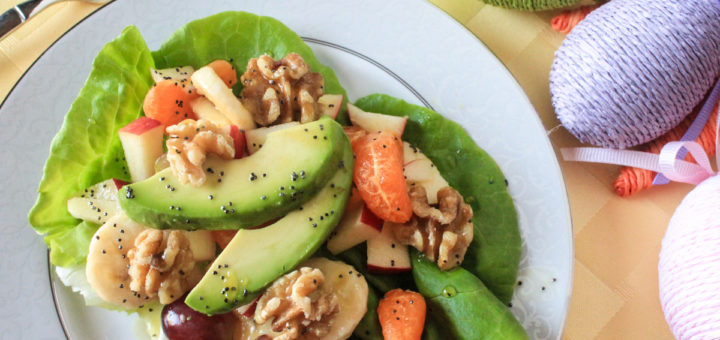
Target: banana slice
{"x":107,"y":261}
{"x":352,"y":292}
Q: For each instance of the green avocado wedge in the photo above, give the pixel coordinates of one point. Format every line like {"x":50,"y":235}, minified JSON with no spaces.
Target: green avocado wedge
{"x":255,"y":258}
{"x":494,"y":254}
{"x":294,"y":164}
{"x":461,"y":303}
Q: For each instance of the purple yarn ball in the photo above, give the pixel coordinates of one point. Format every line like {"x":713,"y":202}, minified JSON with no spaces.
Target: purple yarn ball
{"x":632,"y":70}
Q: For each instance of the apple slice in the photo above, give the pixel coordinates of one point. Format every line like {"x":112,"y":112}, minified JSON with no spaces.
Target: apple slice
{"x":411,"y":153}
{"x":204,"y":109}
{"x":433,"y":186}
{"x":92,"y":209}
{"x":385,"y":255}
{"x":239,"y":140}
{"x":256,"y":138}
{"x":358,"y":225}
{"x":209,"y":84}
{"x":142,"y":141}
{"x":330,"y":104}
{"x":374,"y":122}
{"x":175,"y":73}
{"x":202,"y":244}
{"x":423,"y":172}
{"x":118,"y":184}
{"x":105,"y":190}
{"x":98,"y":203}
{"x":180,"y":74}
{"x":161,"y":163}
{"x":248,"y":310}
{"x":419,"y":170}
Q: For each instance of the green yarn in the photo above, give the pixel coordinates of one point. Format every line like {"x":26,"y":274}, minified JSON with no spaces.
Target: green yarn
{"x":532,"y":5}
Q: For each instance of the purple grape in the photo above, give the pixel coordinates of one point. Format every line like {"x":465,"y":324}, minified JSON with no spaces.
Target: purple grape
{"x":180,"y":322}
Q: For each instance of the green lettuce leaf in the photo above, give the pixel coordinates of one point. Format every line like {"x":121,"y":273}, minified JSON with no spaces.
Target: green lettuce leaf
{"x":239,"y":36}
{"x":71,"y":246}
{"x":462,"y":304}
{"x":87,"y":148}
{"x":494,"y":254}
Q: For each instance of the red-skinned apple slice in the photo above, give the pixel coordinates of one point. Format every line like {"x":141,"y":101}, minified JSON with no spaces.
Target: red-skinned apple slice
{"x":411,"y":153}
{"x":105,"y":190}
{"x":97,"y":203}
{"x":239,"y":141}
{"x":374,"y":122}
{"x":385,"y":255}
{"x":162,"y":163}
{"x":249,"y":309}
{"x":118,"y":184}
{"x":358,"y":225}
{"x":209,"y":84}
{"x":423,"y":172}
{"x":202,"y":245}
{"x":92,"y":210}
{"x":142,"y":141}
{"x":433,"y":186}
{"x":330,"y":104}
{"x":176,"y":73}
{"x":204,"y":109}
{"x":419,"y":170}
{"x":256,"y":138}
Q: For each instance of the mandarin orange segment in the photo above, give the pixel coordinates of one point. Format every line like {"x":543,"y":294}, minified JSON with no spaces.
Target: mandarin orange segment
{"x":354,"y":133}
{"x":225,"y":71}
{"x":379,"y":176}
{"x":168,"y":102}
{"x":402,"y":315}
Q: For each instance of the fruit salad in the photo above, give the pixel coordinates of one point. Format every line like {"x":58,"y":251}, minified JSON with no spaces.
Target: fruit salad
{"x":228,"y":189}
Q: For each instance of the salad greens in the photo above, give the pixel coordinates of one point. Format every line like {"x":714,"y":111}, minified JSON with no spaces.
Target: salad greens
{"x":237,"y":37}
{"x":369,"y":327}
{"x":494,"y":254}
{"x":432,"y":330}
{"x":87,"y":149}
{"x":462,"y":303}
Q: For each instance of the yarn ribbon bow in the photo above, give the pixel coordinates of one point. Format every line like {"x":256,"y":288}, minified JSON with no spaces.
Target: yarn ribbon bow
{"x":668,"y":164}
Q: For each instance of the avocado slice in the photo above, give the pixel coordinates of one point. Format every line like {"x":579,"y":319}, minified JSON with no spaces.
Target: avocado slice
{"x":255,"y":258}
{"x":289,"y":170}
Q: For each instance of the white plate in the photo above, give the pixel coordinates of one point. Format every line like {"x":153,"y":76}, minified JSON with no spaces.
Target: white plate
{"x":408,"y":49}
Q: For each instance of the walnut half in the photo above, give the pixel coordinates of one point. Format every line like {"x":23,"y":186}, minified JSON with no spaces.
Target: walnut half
{"x":162,"y":265}
{"x":281,"y":91}
{"x":296,"y":306}
{"x":189,"y":143}
{"x":443,"y":233}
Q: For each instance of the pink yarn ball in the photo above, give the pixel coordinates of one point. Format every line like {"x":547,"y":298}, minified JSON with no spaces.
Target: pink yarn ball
{"x":689,"y":266}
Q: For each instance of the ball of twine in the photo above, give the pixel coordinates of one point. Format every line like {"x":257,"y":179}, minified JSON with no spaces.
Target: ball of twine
{"x":689,"y":269}
{"x":632,"y":70}
{"x":532,"y":5}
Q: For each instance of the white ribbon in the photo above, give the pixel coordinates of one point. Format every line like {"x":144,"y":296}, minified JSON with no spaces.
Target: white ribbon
{"x":665,"y":163}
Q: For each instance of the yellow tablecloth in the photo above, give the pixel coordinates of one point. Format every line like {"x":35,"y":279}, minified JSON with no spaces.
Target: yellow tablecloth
{"x":617,"y":241}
